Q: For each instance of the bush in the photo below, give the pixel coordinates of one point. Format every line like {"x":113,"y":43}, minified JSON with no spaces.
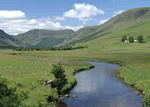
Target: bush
{"x":18,"y":49}
{"x":8,"y":97}
{"x":140,"y":39}
{"x":146,"y":102}
{"x":131,"y":39}
{"x":80,"y":47}
{"x":60,"y":77}
{"x":148,"y":36}
{"x":85,"y":46}
{"x":52,"y":48}
{"x":123,"y":38}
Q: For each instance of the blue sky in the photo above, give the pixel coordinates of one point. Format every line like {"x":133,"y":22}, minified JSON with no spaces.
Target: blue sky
{"x":19,"y":16}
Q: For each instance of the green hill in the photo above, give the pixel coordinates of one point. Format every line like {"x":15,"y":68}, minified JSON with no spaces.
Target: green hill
{"x":44,"y":38}
{"x":8,"y":40}
{"x":131,"y":23}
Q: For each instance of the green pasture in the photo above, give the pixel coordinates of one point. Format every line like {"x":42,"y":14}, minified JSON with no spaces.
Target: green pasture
{"x":30,"y":71}
{"x":135,"y":61}
{"x":28,"y":67}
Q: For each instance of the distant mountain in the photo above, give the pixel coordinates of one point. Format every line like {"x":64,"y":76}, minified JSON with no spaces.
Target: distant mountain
{"x":131,"y":23}
{"x":8,"y":40}
{"x":44,"y":38}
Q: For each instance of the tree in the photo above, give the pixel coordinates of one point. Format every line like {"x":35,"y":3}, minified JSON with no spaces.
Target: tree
{"x":60,"y":77}
{"x":140,"y":39}
{"x":123,"y":38}
{"x":131,"y":38}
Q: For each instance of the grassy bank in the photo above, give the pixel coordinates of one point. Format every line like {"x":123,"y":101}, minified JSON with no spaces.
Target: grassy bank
{"x":30,"y":71}
{"x":135,"y":62}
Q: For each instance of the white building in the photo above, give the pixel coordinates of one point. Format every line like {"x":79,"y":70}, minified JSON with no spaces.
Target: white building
{"x":126,"y":41}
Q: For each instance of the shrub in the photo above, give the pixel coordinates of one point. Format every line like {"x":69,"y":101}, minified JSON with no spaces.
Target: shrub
{"x":80,"y":47}
{"x":52,"y":48}
{"x":146,"y":102}
{"x":60,"y":77}
{"x":85,"y":46}
{"x":131,"y":39}
{"x":8,"y":96}
{"x":140,"y":39}
{"x":37,"y":49}
{"x":18,"y":49}
{"x":123,"y":38}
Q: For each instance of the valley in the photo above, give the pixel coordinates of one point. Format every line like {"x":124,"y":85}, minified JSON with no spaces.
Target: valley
{"x":103,"y":45}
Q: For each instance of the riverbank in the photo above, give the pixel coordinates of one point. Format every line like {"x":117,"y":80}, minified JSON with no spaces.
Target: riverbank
{"x":69,"y":86}
{"x":93,"y":88}
{"x":32,"y":71}
{"x":135,"y":63}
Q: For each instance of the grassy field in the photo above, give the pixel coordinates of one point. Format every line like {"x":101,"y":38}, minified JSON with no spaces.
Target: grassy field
{"x":30,"y":71}
{"x":104,"y":44}
{"x":27,"y":67}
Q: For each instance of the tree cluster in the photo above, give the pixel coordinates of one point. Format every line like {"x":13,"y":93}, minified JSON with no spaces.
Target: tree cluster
{"x":52,"y":48}
{"x":7,"y":47}
{"x":131,"y":39}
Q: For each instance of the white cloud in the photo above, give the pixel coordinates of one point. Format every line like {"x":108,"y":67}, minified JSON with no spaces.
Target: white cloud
{"x":103,"y":21}
{"x":73,"y":28}
{"x":84,"y":23}
{"x":87,"y":19}
{"x":117,"y":12}
{"x":23,"y":25}
{"x":59,"y":18}
{"x":83,"y":12}
{"x":16,"y":14}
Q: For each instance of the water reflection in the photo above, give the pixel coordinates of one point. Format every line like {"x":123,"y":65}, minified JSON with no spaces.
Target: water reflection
{"x":101,"y":87}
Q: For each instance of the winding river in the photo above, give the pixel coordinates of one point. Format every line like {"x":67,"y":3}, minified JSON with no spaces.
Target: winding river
{"x":101,"y":87}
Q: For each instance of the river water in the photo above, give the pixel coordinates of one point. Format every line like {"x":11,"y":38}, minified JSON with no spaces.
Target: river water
{"x":101,"y":87}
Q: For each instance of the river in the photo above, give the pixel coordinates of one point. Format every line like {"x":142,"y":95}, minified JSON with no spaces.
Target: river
{"x":101,"y":87}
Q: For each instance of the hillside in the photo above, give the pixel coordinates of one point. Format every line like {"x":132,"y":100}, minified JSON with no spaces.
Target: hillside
{"x":44,"y":38}
{"x":8,"y":40}
{"x":131,"y":23}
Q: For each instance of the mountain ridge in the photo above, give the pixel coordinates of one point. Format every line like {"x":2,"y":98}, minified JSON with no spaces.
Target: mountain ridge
{"x":8,"y":40}
{"x":39,"y":37}
{"x":130,"y":19}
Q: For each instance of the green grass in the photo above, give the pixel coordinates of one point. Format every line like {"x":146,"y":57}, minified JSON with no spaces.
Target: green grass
{"x":131,"y":23}
{"x":135,"y":61}
{"x":29,"y":70}
{"x":104,"y":44}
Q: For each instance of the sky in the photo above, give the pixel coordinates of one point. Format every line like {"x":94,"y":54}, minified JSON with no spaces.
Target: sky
{"x":20,"y":16}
